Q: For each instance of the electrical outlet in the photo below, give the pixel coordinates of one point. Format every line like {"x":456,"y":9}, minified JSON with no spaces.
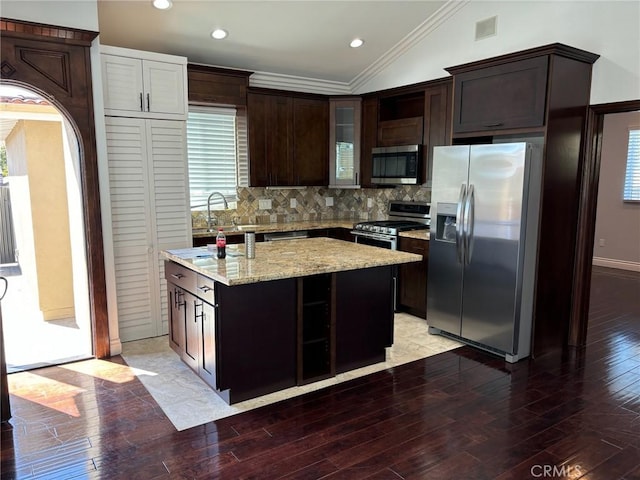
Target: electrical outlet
{"x":264,"y":204}
{"x":601,"y":242}
{"x":329,"y":201}
{"x":369,"y":202}
{"x":293,"y":203}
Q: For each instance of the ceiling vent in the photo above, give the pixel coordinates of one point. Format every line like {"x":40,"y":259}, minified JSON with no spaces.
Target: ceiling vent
{"x":486,"y":28}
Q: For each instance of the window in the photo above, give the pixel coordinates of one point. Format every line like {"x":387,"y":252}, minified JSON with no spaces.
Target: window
{"x":212,"y":153}
{"x":632,"y":176}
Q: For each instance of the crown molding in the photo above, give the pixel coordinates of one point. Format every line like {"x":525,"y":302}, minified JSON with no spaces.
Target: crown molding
{"x":416,"y":35}
{"x":298,"y":84}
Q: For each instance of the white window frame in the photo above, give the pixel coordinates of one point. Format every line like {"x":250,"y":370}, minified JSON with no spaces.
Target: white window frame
{"x":631,"y":189}
{"x":202,"y":182}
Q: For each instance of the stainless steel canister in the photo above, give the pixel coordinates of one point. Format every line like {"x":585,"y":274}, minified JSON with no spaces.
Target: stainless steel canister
{"x":250,"y":244}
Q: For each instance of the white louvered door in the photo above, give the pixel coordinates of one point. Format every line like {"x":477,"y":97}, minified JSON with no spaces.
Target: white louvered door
{"x":167,"y":144}
{"x":148,"y":185}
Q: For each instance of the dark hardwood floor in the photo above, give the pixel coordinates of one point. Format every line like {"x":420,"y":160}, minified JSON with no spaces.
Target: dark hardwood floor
{"x":462,"y":414}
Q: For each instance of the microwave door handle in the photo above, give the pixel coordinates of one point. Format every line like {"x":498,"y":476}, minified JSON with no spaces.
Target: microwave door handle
{"x":469,"y":220}
{"x":459,"y":223}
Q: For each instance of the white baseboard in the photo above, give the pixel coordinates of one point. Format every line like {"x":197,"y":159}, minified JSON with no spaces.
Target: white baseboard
{"x":620,"y":264}
{"x":115,"y":347}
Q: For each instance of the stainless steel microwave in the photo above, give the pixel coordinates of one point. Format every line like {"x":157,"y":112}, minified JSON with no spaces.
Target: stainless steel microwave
{"x":396,"y":165}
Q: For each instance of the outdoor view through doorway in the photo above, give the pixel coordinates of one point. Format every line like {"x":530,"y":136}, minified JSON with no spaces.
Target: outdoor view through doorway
{"x":45,"y":312}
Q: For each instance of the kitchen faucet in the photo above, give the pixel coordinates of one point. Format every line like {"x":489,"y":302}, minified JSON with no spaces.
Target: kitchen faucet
{"x":226,"y":206}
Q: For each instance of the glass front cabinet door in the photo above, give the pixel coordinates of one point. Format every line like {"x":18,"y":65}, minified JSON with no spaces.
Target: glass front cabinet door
{"x":344,"y":155}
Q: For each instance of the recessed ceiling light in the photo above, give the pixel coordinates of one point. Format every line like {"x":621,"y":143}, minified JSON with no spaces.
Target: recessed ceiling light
{"x":219,"y":34}
{"x":162,"y":4}
{"x":356,"y":42}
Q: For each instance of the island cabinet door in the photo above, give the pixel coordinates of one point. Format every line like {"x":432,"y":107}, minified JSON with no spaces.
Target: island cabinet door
{"x":177,"y":318}
{"x":364,"y":316}
{"x":256,"y":348}
{"x":191,"y":352}
{"x":207,"y":363}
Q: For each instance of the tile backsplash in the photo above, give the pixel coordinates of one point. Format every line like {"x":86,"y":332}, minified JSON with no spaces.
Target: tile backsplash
{"x":311,"y":204}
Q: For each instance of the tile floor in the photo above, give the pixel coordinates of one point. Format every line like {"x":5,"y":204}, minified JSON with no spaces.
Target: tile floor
{"x":188,"y":401}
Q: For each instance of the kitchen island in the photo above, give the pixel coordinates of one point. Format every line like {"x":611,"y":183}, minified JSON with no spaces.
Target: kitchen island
{"x":302,"y":310}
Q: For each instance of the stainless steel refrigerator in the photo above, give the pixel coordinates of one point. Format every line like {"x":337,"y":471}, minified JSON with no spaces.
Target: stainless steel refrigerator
{"x":482,"y":252}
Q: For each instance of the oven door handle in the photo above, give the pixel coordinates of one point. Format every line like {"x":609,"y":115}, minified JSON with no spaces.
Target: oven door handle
{"x":376,"y":236}
{"x":389,"y":241}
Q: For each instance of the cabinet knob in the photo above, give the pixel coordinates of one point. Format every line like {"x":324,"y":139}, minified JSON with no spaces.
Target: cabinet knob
{"x":141,"y":106}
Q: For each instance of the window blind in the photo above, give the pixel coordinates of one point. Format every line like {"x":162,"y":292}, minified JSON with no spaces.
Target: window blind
{"x":212,"y":153}
{"x":632,"y":175}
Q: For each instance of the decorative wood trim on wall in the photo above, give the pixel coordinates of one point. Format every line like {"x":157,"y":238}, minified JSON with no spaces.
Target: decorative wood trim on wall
{"x":55,"y":62}
{"x":38,"y":30}
{"x":589,"y":180}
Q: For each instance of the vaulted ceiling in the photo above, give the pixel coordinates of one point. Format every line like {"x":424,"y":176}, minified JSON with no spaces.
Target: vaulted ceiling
{"x":297,"y":38}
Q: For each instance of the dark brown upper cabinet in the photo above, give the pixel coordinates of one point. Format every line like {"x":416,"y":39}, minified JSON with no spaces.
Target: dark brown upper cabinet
{"x":368,"y":138}
{"x":288,"y":139}
{"x":437,"y":122}
{"x":310,"y":162}
{"x":513,"y":92}
{"x":217,"y":86}
{"x":416,"y":114}
{"x":403,"y":131}
{"x":501,"y":97}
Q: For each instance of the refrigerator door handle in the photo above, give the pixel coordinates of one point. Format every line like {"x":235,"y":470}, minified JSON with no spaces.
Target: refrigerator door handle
{"x":469,"y":219}
{"x":460,"y":223}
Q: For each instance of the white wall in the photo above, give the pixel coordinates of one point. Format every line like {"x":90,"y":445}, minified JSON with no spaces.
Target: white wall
{"x":617,"y":222}
{"x":607,"y":28}
{"x":81,"y":14}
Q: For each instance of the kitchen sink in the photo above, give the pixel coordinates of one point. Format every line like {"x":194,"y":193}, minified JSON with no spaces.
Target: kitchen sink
{"x":246,"y":227}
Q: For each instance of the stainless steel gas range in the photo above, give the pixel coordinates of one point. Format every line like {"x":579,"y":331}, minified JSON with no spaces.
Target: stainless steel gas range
{"x":402,"y":216}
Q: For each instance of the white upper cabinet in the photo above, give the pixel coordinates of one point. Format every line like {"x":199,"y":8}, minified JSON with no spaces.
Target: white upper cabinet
{"x":144,"y":84}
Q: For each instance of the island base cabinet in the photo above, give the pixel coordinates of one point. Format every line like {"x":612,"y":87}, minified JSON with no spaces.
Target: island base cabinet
{"x":252,"y":339}
{"x":256,"y":347}
{"x":364,"y":316}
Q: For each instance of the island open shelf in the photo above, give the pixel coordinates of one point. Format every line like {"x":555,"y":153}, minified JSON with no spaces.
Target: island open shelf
{"x":301,"y":311}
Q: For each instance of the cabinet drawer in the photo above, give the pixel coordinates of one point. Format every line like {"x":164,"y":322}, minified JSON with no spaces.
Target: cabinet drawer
{"x":180,"y":276}
{"x":414,"y":245}
{"x":501,"y":97}
{"x":206,"y":289}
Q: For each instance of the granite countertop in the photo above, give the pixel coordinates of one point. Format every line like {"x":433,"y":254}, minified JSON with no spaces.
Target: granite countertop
{"x":286,"y":259}
{"x":276,"y":227}
{"x":419,"y":234}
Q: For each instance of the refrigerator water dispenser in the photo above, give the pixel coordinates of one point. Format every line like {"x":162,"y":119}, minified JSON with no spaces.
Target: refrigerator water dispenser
{"x":446,"y":222}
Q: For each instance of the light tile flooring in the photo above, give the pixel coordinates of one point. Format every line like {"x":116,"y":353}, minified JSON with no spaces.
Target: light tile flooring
{"x":188,"y":401}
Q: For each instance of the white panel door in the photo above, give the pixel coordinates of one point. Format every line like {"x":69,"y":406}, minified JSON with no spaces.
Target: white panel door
{"x":170,"y":198}
{"x":122,"y":83}
{"x":133,"y":236}
{"x":164,"y":87}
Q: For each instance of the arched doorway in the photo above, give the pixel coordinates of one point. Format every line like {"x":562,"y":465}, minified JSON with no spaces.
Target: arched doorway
{"x":46,"y":319}
{"x":55,"y":62}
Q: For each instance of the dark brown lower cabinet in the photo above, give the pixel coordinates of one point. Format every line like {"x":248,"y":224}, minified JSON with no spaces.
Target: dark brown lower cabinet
{"x":364,"y":316}
{"x":250,"y":340}
{"x":192,"y":332}
{"x":412,"y":278}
